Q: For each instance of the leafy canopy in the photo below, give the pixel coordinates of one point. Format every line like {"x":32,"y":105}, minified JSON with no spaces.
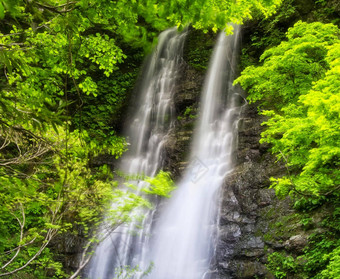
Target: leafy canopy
{"x":300,"y":79}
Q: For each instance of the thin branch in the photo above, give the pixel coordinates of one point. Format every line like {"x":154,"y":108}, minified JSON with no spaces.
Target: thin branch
{"x":22,"y":225}
{"x":13,"y":172}
{"x":44,"y":25}
{"x":12,"y":34}
{"x":86,"y":257}
{"x":331,"y":191}
{"x":21,"y":129}
{"x":5,"y":73}
{"x":29,"y":155}
{"x":18,"y":136}
{"x":5,"y":143}
{"x":50,"y":234}
{"x":68,"y":3}
{"x":290,"y":178}
{"x":16,"y":49}
{"x":12,"y":44}
{"x":55,"y":9}
{"x":20,"y":246}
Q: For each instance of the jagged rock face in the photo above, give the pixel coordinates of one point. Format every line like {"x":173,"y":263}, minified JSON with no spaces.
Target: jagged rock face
{"x":186,"y":95}
{"x":69,"y":248}
{"x":254,"y":222}
{"x":197,"y":52}
{"x":244,"y":194}
{"x":188,"y":89}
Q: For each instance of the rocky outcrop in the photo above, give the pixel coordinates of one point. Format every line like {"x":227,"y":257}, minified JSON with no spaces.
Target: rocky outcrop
{"x":186,"y":101}
{"x":254,"y":223}
{"x":245,"y":194}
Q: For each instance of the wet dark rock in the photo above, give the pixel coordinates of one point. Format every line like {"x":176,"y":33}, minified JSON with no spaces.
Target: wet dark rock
{"x":188,"y":89}
{"x":254,"y":242}
{"x":249,"y":269}
{"x":230,"y":232}
{"x":103,"y":159}
{"x":70,"y":248}
{"x":275,"y":245}
{"x":245,"y":196}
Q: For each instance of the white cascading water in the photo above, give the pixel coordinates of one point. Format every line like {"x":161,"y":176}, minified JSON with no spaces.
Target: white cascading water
{"x":186,"y":229}
{"x":147,"y":135}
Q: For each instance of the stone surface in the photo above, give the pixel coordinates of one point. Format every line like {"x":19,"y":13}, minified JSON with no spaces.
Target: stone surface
{"x":177,"y":146}
{"x":296,"y":242}
{"x":245,"y":194}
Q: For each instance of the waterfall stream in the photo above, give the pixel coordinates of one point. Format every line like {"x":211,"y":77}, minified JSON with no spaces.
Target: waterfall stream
{"x":147,"y":134}
{"x":184,"y":232}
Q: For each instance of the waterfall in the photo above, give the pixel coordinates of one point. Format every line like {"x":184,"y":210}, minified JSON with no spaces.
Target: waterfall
{"x":147,"y":134}
{"x":186,"y":230}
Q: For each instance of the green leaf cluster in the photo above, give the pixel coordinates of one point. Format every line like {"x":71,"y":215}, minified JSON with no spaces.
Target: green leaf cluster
{"x":319,"y":259}
{"x":300,"y":80}
{"x":160,"y":185}
{"x":297,"y":89}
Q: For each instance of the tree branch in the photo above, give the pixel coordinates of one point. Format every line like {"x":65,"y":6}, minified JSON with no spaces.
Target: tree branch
{"x":55,"y":8}
{"x":22,"y":225}
{"x":86,"y":257}
{"x":50,"y":234}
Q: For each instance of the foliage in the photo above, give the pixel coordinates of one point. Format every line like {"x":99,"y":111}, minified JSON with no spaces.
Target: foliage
{"x":262,"y":33}
{"x":160,"y":185}
{"x":333,"y":268}
{"x":319,"y":258}
{"x":189,"y":113}
{"x":47,"y":194}
{"x":289,"y":69}
{"x":198,"y":49}
{"x":102,"y":115}
{"x":304,"y":127}
{"x":127,"y":272}
{"x":281,"y":265}
{"x":299,"y":82}
{"x":62,"y":197}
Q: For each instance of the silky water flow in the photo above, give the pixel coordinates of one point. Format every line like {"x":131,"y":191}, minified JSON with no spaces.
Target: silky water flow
{"x":147,"y":134}
{"x":186,"y":231}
